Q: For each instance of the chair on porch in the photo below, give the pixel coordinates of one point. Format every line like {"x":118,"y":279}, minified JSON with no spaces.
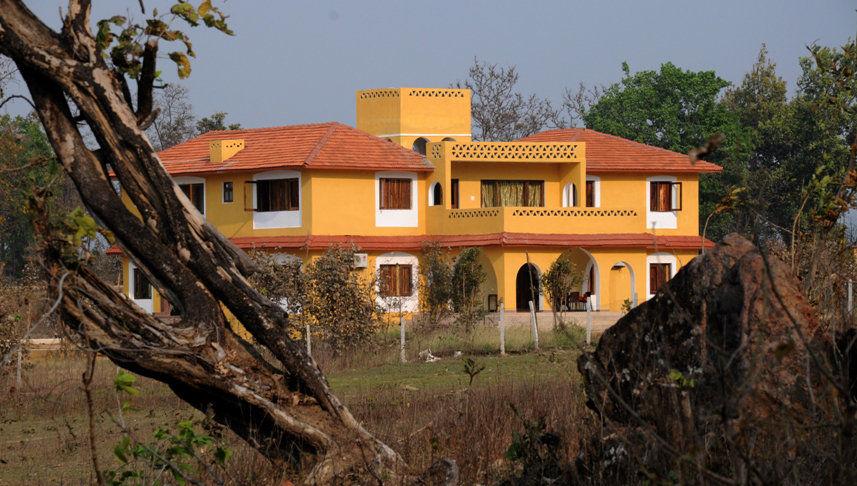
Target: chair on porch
{"x":573,"y":301}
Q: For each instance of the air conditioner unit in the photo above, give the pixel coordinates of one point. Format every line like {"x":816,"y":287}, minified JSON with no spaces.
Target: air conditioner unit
{"x":361,"y":260}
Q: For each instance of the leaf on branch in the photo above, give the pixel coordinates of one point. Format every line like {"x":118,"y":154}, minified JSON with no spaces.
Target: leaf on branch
{"x":182,"y":62}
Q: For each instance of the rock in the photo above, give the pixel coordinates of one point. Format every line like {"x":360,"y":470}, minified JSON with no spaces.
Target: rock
{"x":714,"y":363}
{"x":442,"y":473}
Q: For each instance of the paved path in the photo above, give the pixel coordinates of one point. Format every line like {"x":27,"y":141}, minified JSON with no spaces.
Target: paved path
{"x":601,"y":320}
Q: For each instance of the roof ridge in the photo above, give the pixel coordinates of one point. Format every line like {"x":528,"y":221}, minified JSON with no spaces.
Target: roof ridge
{"x":300,"y":125}
{"x":321,"y":142}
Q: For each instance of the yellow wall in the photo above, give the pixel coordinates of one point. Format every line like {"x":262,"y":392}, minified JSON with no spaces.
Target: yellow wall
{"x":405,"y":114}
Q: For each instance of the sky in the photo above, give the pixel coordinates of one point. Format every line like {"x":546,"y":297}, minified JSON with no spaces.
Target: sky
{"x":293,"y":62}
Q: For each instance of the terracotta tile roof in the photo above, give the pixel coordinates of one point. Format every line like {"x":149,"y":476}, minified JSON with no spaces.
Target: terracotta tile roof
{"x":414,"y":242}
{"x":317,"y":146}
{"x":608,"y":153}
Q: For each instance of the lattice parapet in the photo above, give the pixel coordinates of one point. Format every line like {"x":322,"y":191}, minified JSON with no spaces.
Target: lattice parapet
{"x":574,"y":213}
{"x":436,"y":151}
{"x":474,"y":213}
{"x":516,"y":151}
{"x":379,"y":93}
{"x":437,"y":93}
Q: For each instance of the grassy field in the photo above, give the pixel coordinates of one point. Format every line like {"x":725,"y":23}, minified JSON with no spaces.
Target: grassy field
{"x":423,"y":410}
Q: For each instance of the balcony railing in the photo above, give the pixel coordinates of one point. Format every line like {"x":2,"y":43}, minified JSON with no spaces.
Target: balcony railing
{"x":540,"y":220}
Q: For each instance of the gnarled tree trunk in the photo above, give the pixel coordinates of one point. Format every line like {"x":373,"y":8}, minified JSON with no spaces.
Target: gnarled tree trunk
{"x":285,"y":409}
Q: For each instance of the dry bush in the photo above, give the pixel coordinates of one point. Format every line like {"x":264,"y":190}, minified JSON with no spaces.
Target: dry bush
{"x":474,"y":426}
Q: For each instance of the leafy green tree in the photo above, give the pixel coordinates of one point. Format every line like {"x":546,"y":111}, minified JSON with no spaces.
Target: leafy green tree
{"x":467,"y":278}
{"x":560,"y":280}
{"x":216,"y":122}
{"x":673,"y":109}
{"x":24,"y":158}
{"x":339,"y":300}
{"x":436,"y":270}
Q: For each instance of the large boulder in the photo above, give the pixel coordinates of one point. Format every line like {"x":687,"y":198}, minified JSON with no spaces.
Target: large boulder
{"x":717,"y":376}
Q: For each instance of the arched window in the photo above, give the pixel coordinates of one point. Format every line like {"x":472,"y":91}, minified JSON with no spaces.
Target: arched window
{"x":420,"y":146}
{"x":448,"y":139}
{"x":569,"y":195}
{"x":436,"y":194}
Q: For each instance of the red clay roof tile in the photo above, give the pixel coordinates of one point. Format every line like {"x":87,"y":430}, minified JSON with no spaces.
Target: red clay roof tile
{"x":414,"y":242}
{"x":317,"y":146}
{"x":608,"y":153}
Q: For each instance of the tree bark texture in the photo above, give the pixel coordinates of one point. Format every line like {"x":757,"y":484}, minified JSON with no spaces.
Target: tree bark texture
{"x":284,"y":406}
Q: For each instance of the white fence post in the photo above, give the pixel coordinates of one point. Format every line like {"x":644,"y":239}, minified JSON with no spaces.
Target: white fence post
{"x":588,"y":323}
{"x":535,"y":327}
{"x":502,"y":328}
{"x":850,"y":291}
{"x":402,"y":336}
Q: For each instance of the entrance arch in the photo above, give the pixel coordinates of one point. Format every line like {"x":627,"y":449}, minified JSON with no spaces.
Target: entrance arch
{"x":527,"y":284}
{"x":622,"y":282}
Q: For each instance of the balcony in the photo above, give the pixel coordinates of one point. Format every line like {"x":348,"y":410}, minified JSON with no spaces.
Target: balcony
{"x":541,"y":220}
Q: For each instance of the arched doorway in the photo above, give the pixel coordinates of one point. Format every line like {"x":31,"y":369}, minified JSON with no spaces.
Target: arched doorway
{"x":622,"y":285}
{"x":527,"y":288}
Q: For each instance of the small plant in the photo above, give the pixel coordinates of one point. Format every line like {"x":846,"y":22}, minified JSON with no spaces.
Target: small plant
{"x":169,"y":455}
{"x":626,"y":306}
{"x":467,"y":277}
{"x":472,"y":369}
{"x":536,"y":449}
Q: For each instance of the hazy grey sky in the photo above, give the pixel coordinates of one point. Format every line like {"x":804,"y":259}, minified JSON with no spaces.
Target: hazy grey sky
{"x":301,"y":62}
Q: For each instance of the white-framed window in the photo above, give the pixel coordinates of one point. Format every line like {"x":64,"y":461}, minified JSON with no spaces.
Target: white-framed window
{"x":397,"y":288}
{"x":194,"y":189}
{"x":663,"y":201}
{"x":396,"y":196}
{"x":593,"y":192}
{"x":436,"y":194}
{"x":139,"y":289}
{"x":275,"y":199}
{"x":660,"y":267}
{"x":569,"y":195}
{"x":228,"y":192}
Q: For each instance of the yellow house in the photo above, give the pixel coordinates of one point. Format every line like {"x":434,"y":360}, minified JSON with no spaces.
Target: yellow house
{"x":624,"y":212}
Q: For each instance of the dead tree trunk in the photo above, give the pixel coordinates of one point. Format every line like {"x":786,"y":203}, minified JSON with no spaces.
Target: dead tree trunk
{"x":286,"y":409}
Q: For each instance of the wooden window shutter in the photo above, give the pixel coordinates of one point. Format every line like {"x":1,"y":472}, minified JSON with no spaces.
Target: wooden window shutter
{"x":659,"y":273}
{"x":249,"y":203}
{"x":653,"y":278}
{"x":676,"y":189}
{"x":590,"y":194}
{"x":404,"y":194}
{"x":294,"y":194}
{"x":405,"y":280}
{"x":454,"y":190}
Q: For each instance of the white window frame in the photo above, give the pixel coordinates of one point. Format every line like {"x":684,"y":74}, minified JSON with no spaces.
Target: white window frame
{"x":181,"y":180}
{"x":278,"y":219}
{"x":397,"y":218}
{"x":597,"y":190}
{"x":147,"y":305}
{"x":570,"y":195}
{"x":656,"y":220}
{"x":411,"y":302}
{"x":659,"y":258}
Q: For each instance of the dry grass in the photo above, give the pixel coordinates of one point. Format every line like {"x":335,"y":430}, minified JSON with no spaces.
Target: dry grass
{"x":44,"y":430}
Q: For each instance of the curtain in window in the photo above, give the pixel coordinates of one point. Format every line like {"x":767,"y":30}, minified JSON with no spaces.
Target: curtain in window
{"x":535,"y":193}
{"x":511,"y":193}
{"x":487,"y":194}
